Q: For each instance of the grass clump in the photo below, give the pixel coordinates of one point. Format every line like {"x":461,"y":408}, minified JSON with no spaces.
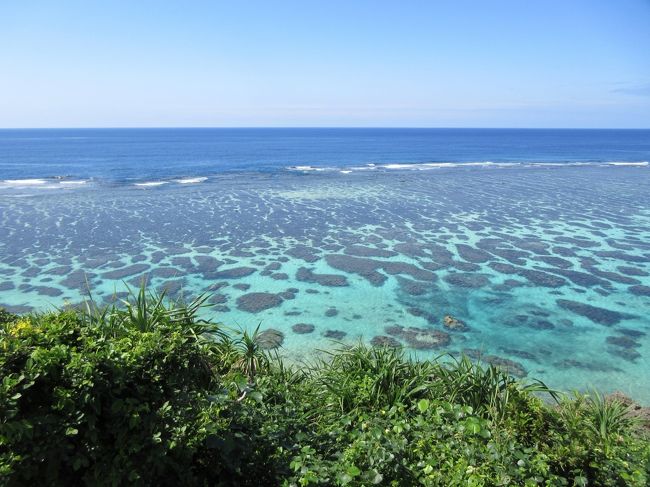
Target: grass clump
{"x":147,"y":393}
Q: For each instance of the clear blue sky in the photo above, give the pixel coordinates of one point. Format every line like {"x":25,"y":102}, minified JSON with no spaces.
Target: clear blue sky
{"x":498,"y":63}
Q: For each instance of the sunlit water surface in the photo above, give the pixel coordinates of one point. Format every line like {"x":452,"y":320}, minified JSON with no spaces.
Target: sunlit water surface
{"x":547,"y":266}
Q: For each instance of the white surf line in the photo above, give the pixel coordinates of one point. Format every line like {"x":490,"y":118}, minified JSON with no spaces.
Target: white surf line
{"x":191,"y":180}
{"x":24,"y":182}
{"x":150,"y":184}
{"x":639,"y":164}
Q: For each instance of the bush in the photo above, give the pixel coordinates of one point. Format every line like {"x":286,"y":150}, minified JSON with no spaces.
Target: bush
{"x":150,"y":394}
{"x":113,"y":403}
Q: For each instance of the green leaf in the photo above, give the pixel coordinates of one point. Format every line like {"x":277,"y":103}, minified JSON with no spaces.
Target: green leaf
{"x":376,"y":477}
{"x":423,"y":405}
{"x":353,"y":471}
{"x":485,"y":433}
{"x":256,"y":396}
{"x":473,"y":425}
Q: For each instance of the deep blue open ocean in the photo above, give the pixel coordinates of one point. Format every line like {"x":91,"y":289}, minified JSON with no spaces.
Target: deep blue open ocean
{"x":142,"y":154}
{"x":529,"y":249}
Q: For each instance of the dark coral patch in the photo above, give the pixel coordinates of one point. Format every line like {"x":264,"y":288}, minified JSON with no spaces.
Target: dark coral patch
{"x":580,"y":278}
{"x":233,"y":273}
{"x":612,"y":276}
{"x":256,"y":302}
{"x":361,"y":251}
{"x":631,"y":333}
{"x":640,"y":290}
{"x":331,"y":312}
{"x":218,"y":299}
{"x":598,"y":315}
{"x":218,"y":285}
{"x":619,"y":255}
{"x":48,"y":291}
{"x":409,"y":269}
{"x":414,"y":288}
{"x":534,"y":246}
{"x":555,"y":261}
{"x":467,"y":266}
{"x":471,"y":254}
{"x":467,"y":280}
{"x":303,"y":328}
{"x":504,"y":268}
{"x":330,"y":280}
{"x":31,"y":272}
{"x":308,"y":254}
{"x":124,"y":272}
{"x":519,"y":353}
{"x":420,"y":338}
{"x":207,"y":263}
{"x":6,"y":286}
{"x":384,"y":341}
{"x":628,"y":354}
{"x":509,"y":366}
{"x":77,"y":279}
{"x":577,"y":364}
{"x":412,"y":249}
{"x":17,"y":309}
{"x":334,"y":334}
{"x":540,"y":324}
{"x":165,"y":272}
{"x":59,"y":271}
{"x":543,"y":279}
{"x":513,"y":256}
{"x":622,"y":341}
{"x":270,"y":339}
{"x":632,"y":271}
{"x":185,"y":262}
{"x":366,"y":268}
{"x":172,"y":288}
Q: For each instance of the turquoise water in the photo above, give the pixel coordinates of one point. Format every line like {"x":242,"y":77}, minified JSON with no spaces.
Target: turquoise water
{"x":548,"y":265}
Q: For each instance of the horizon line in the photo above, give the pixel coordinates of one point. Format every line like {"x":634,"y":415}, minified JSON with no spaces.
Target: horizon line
{"x":312,"y":127}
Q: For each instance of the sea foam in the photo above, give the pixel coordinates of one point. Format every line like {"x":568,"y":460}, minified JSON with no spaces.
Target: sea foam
{"x":73,"y":183}
{"x":151,"y":184}
{"x":24,"y":182}
{"x":191,"y":180}
{"x":639,"y":164}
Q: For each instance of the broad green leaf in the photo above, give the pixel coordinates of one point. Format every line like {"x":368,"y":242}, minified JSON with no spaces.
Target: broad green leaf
{"x":423,"y":405}
{"x":353,"y":471}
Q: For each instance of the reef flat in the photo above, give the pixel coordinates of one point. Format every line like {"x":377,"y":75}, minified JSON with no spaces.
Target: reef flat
{"x":545,"y":270}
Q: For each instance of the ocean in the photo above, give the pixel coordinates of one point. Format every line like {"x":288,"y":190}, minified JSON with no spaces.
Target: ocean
{"x":535,"y":242}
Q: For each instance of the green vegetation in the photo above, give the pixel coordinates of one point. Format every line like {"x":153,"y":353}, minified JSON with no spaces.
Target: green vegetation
{"x":149,"y":394}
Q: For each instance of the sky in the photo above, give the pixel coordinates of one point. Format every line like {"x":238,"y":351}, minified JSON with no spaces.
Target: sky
{"x":368,"y":63}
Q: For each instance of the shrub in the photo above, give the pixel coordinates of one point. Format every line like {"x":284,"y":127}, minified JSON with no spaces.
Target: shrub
{"x":114,"y":402}
{"x":148,"y":393}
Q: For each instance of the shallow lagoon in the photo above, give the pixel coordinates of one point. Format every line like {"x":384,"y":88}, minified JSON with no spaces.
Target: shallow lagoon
{"x":548,"y":266}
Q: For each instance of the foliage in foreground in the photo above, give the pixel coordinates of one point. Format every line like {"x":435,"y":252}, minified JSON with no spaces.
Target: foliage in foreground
{"x":150,"y":394}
